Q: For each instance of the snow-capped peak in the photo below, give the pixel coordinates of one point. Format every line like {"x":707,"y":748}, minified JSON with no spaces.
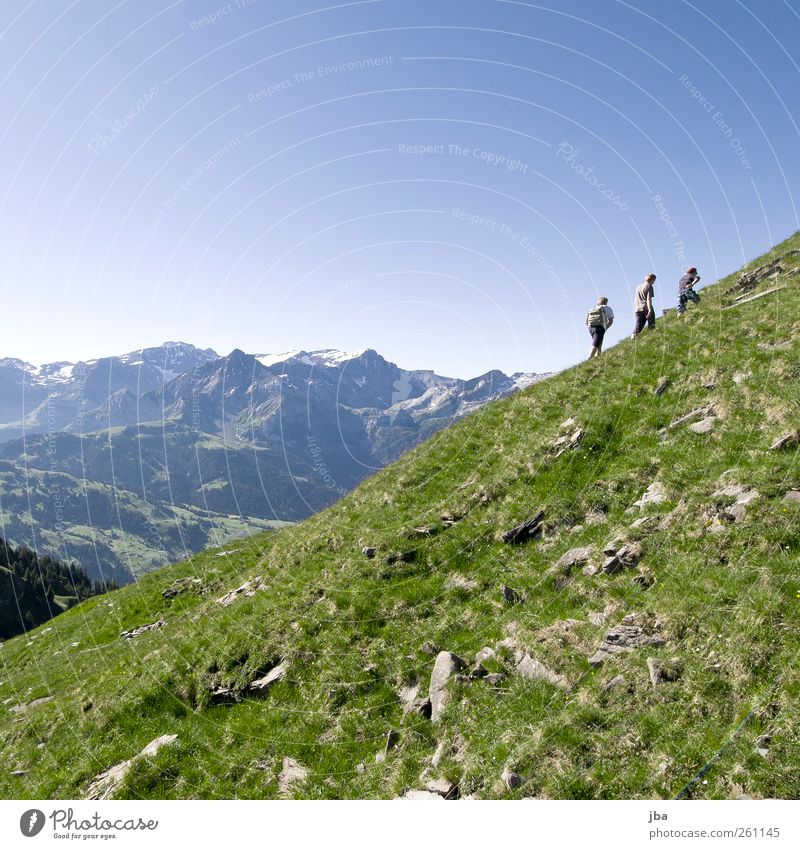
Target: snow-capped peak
{"x":329,"y":357}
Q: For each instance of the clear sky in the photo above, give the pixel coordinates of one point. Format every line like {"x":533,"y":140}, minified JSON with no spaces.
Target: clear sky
{"x":451,"y":182}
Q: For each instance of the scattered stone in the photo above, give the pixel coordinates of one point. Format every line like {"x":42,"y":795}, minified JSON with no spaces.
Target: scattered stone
{"x":35,"y":703}
{"x":645,"y":579}
{"x":672,"y":515}
{"x":663,"y":671}
{"x":788,"y":440}
{"x":568,"y":423}
{"x":107,"y":782}
{"x":262,"y":685}
{"x":291,"y":773}
{"x":610,"y":548}
{"x":626,"y":557}
{"x":654,"y":494}
{"x":775,"y":346}
{"x":791,"y":497}
{"x":449,"y":519}
{"x":574,"y":557}
{"x":661,"y":386}
{"x":19,"y":773}
{"x":248,"y":589}
{"x":533,"y":670}
{"x":221,"y":695}
{"x":527,"y":530}
{"x":590,"y":570}
{"x":703,"y":426}
{"x":594,"y":517}
{"x":642,"y":521}
{"x":368,"y":551}
{"x":494,"y":678}
{"x":699,"y":412}
{"x":632,"y":633}
{"x":485,"y":653}
{"x":182,"y":585}
{"x":429,"y":648}
{"x":597,"y":618}
{"x":407,"y":696}
{"x":616,"y":681}
{"x":447,"y":664}
{"x":421,"y":796}
{"x":457,"y":581}
{"x":748,"y":280}
{"x":446,"y":789}
{"x":511,"y":779}
{"x":511,"y":596}
{"x":153,"y":626}
{"x":422,"y":531}
{"x":230,"y":551}
{"x":392,"y":739}
{"x":740,"y":377}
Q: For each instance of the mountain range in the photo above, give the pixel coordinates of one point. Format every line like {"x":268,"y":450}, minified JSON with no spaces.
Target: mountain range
{"x":129,"y":462}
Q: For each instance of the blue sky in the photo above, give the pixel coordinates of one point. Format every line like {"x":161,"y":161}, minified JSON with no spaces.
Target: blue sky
{"x":451,"y":183}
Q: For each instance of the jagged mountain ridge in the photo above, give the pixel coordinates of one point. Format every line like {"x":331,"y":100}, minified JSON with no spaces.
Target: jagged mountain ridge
{"x":196,"y":438}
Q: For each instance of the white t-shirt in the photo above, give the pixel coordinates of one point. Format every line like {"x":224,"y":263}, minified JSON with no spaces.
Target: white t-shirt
{"x":608,"y":315}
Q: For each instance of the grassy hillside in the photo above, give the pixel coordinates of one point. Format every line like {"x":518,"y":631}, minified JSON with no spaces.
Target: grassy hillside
{"x":711,"y":578}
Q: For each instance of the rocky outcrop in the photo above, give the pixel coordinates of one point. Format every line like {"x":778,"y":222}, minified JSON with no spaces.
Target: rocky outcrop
{"x":247,"y":589}
{"x":527,"y":530}
{"x":142,"y":629}
{"x":446,"y":666}
{"x":633,"y":632}
{"x":291,"y":773}
{"x":261,"y":686}
{"x":106,"y":784}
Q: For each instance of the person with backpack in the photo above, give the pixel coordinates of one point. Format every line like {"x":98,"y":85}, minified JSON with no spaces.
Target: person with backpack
{"x":686,"y":290}
{"x":599,"y":318}
{"x":643,"y":309}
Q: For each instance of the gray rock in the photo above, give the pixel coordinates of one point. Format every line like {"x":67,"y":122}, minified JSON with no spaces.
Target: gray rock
{"x":703,"y":426}
{"x":108,"y":782}
{"x":494,"y":678}
{"x":143,"y":629}
{"x":35,"y":703}
{"x":446,"y":666}
{"x":661,"y":386}
{"x":616,"y":681}
{"x":247,"y":589}
{"x":19,"y":773}
{"x":654,"y":494}
{"x":368,"y":551}
{"x":643,"y":521}
{"x":485,"y":653}
{"x":458,"y":581}
{"x":574,"y":557}
{"x":788,"y":440}
{"x":392,"y":739}
{"x":630,"y":634}
{"x":446,"y":789}
{"x":262,"y":685}
{"x":291,"y":773}
{"x":527,"y":530}
{"x":429,"y":648}
{"x":791,"y":497}
{"x":182,"y":585}
{"x":697,"y":413}
{"x":421,"y":796}
{"x":512,"y":779}
{"x":533,"y":670}
{"x":590,"y":570}
{"x":221,"y":695}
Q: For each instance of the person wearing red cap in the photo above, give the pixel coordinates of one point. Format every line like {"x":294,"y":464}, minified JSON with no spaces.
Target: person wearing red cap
{"x":686,"y":290}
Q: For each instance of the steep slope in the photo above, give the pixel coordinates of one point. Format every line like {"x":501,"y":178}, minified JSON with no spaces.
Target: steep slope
{"x":298,"y":663}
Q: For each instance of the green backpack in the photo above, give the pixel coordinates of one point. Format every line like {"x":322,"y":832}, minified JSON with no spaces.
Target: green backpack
{"x":596,"y":317}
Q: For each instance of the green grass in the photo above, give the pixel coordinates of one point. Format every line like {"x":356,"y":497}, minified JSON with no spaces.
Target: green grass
{"x":351,"y":628}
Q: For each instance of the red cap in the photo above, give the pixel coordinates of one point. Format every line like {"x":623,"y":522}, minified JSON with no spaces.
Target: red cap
{"x":692,"y":270}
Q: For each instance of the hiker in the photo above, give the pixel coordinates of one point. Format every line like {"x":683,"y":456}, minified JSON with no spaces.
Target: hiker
{"x":598,"y":320}
{"x":686,"y":290}
{"x":643,"y":306}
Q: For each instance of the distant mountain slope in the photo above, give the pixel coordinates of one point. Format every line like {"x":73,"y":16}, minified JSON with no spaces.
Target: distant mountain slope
{"x":585,"y":590}
{"x":182,"y":438}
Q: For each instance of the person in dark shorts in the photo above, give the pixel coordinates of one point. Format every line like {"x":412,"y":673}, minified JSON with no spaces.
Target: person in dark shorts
{"x":643,"y":309}
{"x":686,"y":290}
{"x":598,"y":320}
